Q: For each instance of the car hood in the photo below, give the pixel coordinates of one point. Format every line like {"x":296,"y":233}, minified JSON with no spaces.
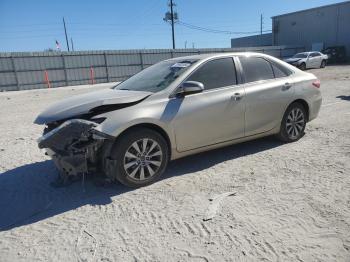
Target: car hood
{"x":292,"y":60}
{"x":83,"y":104}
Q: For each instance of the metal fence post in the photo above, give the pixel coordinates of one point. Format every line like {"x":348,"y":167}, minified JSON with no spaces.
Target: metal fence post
{"x":64,"y":69}
{"x":106,"y":66}
{"x":15,"y":71}
{"x":141,"y":60}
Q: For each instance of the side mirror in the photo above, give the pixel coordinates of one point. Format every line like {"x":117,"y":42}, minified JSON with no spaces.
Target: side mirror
{"x":191,"y":87}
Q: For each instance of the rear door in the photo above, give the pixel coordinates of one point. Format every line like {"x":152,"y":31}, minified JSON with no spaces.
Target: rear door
{"x":318,"y":59}
{"x":315,"y":60}
{"x":267,"y":92}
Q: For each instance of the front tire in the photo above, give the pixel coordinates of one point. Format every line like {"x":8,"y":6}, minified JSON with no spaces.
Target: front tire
{"x":293,"y":123}
{"x":142,"y":156}
{"x":323,"y":64}
{"x":302,"y":66}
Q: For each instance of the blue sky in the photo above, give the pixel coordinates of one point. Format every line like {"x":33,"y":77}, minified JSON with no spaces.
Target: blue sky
{"x":34,"y":25}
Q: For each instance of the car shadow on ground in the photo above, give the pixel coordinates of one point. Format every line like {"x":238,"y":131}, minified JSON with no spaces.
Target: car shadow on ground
{"x":26,"y":195}
{"x":346,"y":98}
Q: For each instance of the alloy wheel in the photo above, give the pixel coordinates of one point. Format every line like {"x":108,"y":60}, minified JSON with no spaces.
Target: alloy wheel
{"x":143,"y":159}
{"x":295,"y":123}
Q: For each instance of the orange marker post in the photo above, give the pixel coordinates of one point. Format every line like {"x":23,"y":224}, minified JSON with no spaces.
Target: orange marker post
{"x":92,"y":75}
{"x":47,"y":80}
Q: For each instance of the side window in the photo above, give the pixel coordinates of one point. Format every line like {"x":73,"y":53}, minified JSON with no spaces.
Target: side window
{"x":216,"y":73}
{"x":279,"y":71}
{"x":256,"y":68}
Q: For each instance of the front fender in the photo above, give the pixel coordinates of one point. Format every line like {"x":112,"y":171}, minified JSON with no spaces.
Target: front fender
{"x":116,"y":128}
{"x":299,"y":62}
{"x":159,"y":114}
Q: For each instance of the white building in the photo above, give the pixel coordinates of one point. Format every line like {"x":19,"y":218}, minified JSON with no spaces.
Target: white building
{"x":314,"y":29}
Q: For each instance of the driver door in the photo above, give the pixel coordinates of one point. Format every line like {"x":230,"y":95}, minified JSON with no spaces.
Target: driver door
{"x":214,"y":115}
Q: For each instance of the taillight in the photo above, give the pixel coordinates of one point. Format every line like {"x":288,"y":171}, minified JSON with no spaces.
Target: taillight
{"x":316,"y":83}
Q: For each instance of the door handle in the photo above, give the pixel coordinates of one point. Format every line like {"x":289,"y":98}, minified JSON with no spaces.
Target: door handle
{"x":236,"y":97}
{"x":286,"y":86}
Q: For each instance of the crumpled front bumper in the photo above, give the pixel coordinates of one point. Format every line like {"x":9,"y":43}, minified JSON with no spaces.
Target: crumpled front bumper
{"x":296,"y":63}
{"x":73,"y":146}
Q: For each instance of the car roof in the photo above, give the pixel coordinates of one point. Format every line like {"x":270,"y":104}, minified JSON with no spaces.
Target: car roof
{"x":214,"y":55}
{"x":306,"y":53}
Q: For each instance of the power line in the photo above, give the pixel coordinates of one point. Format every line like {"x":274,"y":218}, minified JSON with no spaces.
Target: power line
{"x":217,"y":31}
{"x":28,"y":37}
{"x":29,"y":25}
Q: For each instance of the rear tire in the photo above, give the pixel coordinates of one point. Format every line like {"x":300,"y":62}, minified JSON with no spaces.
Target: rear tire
{"x":323,"y":64}
{"x":141,"y":155}
{"x":302,"y":66}
{"x":293,"y":123}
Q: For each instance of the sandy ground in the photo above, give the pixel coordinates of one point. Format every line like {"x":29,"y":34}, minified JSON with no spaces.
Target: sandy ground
{"x":291,"y":201}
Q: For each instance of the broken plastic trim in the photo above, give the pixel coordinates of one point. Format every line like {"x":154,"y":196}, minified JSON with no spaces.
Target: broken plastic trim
{"x":99,"y":135}
{"x":73,"y":146}
{"x":63,"y":134}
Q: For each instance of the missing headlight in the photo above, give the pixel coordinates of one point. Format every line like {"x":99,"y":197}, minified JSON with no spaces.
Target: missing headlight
{"x":98,"y":120}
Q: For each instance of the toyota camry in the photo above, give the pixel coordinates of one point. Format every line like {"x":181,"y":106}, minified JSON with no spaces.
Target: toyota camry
{"x":176,"y":108}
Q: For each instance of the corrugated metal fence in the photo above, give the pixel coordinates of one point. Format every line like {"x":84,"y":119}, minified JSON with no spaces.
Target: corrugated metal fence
{"x":21,"y":71}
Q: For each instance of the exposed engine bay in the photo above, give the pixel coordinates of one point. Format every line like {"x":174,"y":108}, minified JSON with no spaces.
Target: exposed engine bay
{"x":73,"y":146}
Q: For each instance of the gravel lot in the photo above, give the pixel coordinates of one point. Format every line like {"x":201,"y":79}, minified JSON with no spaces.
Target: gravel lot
{"x":291,"y":201}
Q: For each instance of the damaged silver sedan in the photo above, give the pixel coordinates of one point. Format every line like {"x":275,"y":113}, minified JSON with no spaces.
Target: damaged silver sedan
{"x":175,"y":108}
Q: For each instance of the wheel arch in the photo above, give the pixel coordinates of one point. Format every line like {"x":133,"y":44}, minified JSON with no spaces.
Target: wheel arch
{"x":151,"y":126}
{"x":303,"y":62}
{"x":304,"y":104}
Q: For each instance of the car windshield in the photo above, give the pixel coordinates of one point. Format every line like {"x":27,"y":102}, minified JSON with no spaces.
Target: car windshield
{"x":300,"y":55}
{"x":156,"y":77}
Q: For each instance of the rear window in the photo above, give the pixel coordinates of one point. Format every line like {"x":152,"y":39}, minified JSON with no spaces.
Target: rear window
{"x":316,"y":54}
{"x":280,"y":71}
{"x":256,"y":69}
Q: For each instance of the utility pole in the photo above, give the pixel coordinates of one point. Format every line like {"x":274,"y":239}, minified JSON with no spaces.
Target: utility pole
{"x":172,"y":22}
{"x":71,"y":44}
{"x":185,"y":44}
{"x":171,"y":17}
{"x":65,"y":32}
{"x":261,"y":24}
